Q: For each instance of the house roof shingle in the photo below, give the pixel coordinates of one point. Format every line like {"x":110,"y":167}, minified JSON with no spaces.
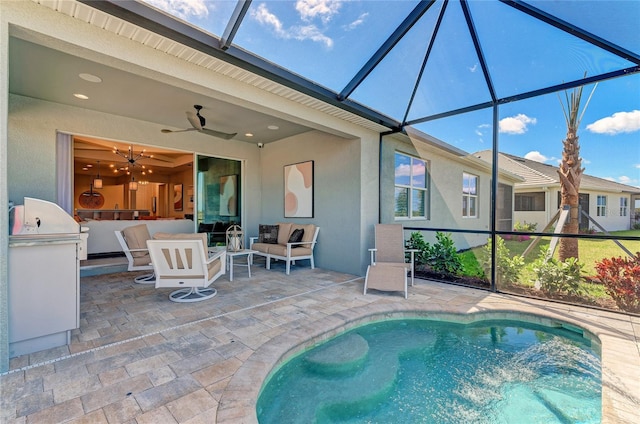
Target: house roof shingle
{"x":541,"y":174}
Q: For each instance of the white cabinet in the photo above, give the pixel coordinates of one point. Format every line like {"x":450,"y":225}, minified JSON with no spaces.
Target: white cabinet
{"x":44,"y":291}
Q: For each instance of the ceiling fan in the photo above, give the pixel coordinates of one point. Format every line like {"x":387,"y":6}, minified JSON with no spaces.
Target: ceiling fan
{"x":198,"y":123}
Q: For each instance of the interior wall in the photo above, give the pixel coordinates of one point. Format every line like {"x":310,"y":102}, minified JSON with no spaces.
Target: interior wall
{"x":338,"y":177}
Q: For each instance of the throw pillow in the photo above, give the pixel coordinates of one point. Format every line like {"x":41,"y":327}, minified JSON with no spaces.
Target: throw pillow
{"x":296,"y":236}
{"x":268,"y":234}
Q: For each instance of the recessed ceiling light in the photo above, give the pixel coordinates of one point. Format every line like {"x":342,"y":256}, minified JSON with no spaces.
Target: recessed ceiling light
{"x":248,"y":135}
{"x":81,"y":96}
{"x":90,"y":77}
{"x":273,"y":127}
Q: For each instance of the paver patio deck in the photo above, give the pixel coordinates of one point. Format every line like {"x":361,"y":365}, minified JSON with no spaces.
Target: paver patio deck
{"x":139,"y":358}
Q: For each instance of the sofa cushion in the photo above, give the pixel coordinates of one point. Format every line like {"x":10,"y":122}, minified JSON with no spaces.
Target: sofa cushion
{"x":136,"y":237}
{"x":296,"y":236}
{"x":261,"y":247}
{"x":284,"y":232}
{"x":280,"y":250}
{"x":268,"y":234}
{"x":213,"y":268}
{"x":309,"y":231}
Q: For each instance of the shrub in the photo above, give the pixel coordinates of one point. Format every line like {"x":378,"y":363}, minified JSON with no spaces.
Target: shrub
{"x":443,"y":256}
{"x":525,"y":227}
{"x":507,"y":267}
{"x":416,"y":241}
{"x":621,"y":279}
{"x":554,"y":276}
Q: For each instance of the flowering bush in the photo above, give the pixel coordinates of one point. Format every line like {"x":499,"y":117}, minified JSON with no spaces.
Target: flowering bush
{"x":621,"y":279}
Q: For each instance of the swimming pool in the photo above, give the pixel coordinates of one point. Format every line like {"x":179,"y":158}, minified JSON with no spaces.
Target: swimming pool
{"x":418,"y":370}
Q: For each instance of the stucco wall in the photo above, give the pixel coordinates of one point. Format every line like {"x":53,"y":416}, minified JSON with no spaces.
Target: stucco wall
{"x":338,"y":190}
{"x":445,"y":192}
{"x":346,"y":170}
{"x":612,"y":221}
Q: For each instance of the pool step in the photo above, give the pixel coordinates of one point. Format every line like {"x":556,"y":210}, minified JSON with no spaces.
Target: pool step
{"x":367,"y":389}
{"x":342,"y":356}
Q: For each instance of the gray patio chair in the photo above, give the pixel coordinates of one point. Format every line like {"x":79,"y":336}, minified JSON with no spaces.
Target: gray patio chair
{"x":388,"y":269}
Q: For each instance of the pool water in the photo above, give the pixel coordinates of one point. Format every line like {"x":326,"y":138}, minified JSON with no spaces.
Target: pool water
{"x":422,"y":371}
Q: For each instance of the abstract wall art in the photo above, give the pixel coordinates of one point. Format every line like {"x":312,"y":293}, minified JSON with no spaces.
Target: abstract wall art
{"x":298,"y":190}
{"x":229,"y":195}
{"x":177,"y":197}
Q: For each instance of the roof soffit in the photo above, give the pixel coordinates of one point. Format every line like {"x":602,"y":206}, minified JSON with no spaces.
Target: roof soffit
{"x":123,"y":28}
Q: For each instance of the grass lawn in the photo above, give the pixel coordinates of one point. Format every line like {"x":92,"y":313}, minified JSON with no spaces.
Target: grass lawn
{"x":590,"y":251}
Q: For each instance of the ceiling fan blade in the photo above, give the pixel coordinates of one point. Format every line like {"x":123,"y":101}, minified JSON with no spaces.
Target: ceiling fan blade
{"x":218,"y":134}
{"x":167,"y":131}
{"x":194,"y":120}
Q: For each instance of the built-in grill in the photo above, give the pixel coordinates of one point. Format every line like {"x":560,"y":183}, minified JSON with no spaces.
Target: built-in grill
{"x":45,"y":248}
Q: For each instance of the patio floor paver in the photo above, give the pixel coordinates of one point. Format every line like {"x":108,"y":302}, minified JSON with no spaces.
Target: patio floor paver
{"x":138,"y":358}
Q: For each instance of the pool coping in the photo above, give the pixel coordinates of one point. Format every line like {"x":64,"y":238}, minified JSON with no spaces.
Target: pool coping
{"x":620,"y":358}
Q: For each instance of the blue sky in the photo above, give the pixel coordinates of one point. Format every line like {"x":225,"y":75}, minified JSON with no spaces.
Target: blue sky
{"x":328,"y":41}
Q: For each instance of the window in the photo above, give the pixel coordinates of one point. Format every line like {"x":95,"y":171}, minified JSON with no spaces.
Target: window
{"x":601,"y":206}
{"x":624,"y":206}
{"x":411,"y":182}
{"x":469,"y":195}
{"x":529,"y":202}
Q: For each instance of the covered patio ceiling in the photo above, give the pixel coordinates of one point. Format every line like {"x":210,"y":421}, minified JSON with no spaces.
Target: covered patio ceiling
{"x":427,"y":59}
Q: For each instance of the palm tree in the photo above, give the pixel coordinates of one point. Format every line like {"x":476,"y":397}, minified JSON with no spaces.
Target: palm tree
{"x":571,"y":171}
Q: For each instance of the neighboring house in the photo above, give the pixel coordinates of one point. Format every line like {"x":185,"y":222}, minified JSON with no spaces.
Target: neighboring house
{"x":436,"y":185}
{"x":537,"y":199}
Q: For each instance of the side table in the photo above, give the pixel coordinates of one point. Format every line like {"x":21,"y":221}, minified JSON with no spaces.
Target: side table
{"x":232,"y":254}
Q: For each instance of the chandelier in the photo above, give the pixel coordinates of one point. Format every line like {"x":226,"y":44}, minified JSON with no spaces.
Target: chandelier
{"x":132,"y":159}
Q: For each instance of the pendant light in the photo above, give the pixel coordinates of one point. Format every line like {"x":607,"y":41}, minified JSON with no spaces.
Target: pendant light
{"x":133,"y":184}
{"x":97,"y":182}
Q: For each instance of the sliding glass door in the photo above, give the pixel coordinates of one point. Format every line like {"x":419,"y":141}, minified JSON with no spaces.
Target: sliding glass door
{"x":218,"y":191}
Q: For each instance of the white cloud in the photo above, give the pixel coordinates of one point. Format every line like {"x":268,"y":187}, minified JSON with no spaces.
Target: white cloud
{"x":474,"y":68}
{"x":183,"y":9}
{"x":323,"y":9}
{"x":637,"y":165}
{"x":353,"y":25}
{"x":536,"y":156}
{"x":301,"y":33}
{"x":619,"y":122}
{"x":311,"y":32}
{"x":263,"y":16}
{"x":405,"y":170}
{"x":625,"y":180}
{"x":516,"y":124}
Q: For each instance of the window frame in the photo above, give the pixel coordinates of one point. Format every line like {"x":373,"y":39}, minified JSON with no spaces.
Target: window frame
{"x":601,"y":207}
{"x":466,"y":207}
{"x":624,"y":206}
{"x":531,"y":197}
{"x":412,"y":189}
